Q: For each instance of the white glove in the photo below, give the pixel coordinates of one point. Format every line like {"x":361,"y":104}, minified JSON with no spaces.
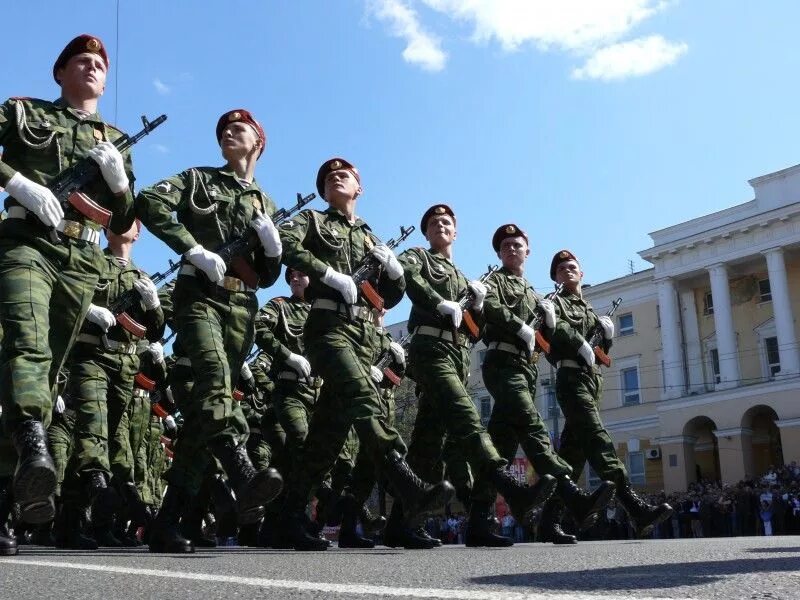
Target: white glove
{"x":451,"y":309}
{"x":299,"y":364}
{"x":169,"y":423}
{"x":157,"y":351}
{"x":342,"y":283}
{"x":267,"y":235}
{"x":398,"y":353}
{"x":586,"y":353}
{"x":478,"y":290}
{"x":147,"y":290}
{"x":101,"y":316}
{"x":245,"y":373}
{"x":36,"y":198}
{"x":549,"y":310}
{"x":112,"y":166}
{"x":527,"y":334}
{"x":376,"y":374}
{"x":608,"y":327}
{"x":59,"y":406}
{"x":386,"y":257}
{"x":208,"y":262}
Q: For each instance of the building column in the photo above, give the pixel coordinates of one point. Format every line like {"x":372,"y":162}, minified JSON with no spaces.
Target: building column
{"x":782,"y":310}
{"x":691,"y":337}
{"x":674,"y":375}
{"x":735,"y":447}
{"x":677,"y":462}
{"x":723,"y":322}
{"x":790,"y":439}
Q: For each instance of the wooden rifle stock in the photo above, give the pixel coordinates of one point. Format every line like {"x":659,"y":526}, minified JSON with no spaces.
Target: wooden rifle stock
{"x":467,"y":319}
{"x":371,"y":295}
{"x":89,"y":208}
{"x":369,"y":266}
{"x":131,"y":325}
{"x":144,"y":382}
{"x":597,"y":337}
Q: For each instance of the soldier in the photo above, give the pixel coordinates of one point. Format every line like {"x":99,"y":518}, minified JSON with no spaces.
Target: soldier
{"x":340,"y":342}
{"x":509,"y":373}
{"x":439,"y":363}
{"x":42,"y":280}
{"x":579,"y":388}
{"x":215,"y":310}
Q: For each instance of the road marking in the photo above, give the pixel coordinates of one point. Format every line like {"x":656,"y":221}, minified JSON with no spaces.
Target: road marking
{"x":328,"y":588}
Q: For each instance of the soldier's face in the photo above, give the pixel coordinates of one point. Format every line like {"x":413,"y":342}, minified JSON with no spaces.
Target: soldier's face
{"x":298,"y":282}
{"x":513,"y":252}
{"x":341,"y":186}
{"x":239,"y":140}
{"x":84,"y":75}
{"x":440,"y":231}
{"x":569,"y":273}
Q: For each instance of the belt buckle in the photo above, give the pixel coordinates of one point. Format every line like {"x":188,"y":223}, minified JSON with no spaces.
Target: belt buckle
{"x":73,"y":229}
{"x":230,"y":283}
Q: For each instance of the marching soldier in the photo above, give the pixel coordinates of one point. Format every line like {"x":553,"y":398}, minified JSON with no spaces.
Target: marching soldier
{"x":215,"y":310}
{"x":49,"y":255}
{"x":340,"y":341}
{"x":579,"y":388}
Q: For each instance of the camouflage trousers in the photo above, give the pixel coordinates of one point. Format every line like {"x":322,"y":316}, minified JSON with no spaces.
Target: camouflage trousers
{"x":137,"y":422}
{"x":45,"y":291}
{"x":294,"y":404}
{"x":366,"y":474}
{"x":60,"y":442}
{"x":584,"y":438}
{"x":266,"y":444}
{"x":150,"y":462}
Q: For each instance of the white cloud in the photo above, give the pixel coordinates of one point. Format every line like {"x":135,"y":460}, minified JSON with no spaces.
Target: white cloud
{"x":422,"y":48}
{"x":635,"y":58}
{"x":161,"y":148}
{"x":161,"y":87}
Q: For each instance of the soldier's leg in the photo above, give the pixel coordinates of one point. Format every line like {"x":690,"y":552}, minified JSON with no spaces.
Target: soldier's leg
{"x":60,"y":440}
{"x":87,"y":390}
{"x":126,"y":420}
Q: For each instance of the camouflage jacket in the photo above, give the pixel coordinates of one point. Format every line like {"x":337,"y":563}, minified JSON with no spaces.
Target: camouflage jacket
{"x":279,"y":328}
{"x":510,"y":303}
{"x":575,"y":319}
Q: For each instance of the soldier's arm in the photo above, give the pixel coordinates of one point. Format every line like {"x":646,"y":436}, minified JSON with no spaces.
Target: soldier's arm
{"x":122,"y":205}
{"x":155,"y":205}
{"x":156,"y":323}
{"x":295,"y":255}
{"x":391,"y":291}
{"x":266,"y":322}
{"x":167,"y":306}
{"x":418,"y":289}
{"x":267,"y":267}
{"x":6,"y":124}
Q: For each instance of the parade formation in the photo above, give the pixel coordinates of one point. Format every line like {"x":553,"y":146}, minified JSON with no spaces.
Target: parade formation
{"x":259,"y":411}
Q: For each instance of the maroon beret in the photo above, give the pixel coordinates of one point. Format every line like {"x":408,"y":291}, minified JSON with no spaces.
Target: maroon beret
{"x":507,"y":231}
{"x":436,"y":209}
{"x":245,"y":116}
{"x":82,"y":43}
{"x":558,"y":258}
{"x":334,"y":164}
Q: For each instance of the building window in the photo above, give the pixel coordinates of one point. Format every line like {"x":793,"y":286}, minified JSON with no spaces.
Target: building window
{"x":658,"y":315}
{"x":636,"y":468}
{"x":715,"y":364}
{"x":486,"y":410}
{"x":708,"y":304}
{"x":764,"y":290}
{"x":626,"y":324}
{"x":773,"y":355}
{"x":630,"y":386}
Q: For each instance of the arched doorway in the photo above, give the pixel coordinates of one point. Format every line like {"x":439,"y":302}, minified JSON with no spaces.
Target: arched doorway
{"x":705,"y":451}
{"x":765,"y":439}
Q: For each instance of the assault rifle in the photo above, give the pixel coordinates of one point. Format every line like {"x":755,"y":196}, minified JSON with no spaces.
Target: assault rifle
{"x":596,"y":336}
{"x":369,"y":266}
{"x":464,"y":299}
{"x":67,"y":185}
{"x":142,"y":380}
{"x":120,"y":307}
{"x":538,"y":319}
{"x":233,"y":253}
{"x":386,"y":358}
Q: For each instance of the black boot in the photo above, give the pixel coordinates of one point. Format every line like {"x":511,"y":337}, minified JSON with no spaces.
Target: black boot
{"x":645,"y":516}
{"x":35,"y":476}
{"x":421,"y":532}
{"x":295,"y":529}
{"x":478,"y":531}
{"x":248,"y":535}
{"x":585,"y":507}
{"x":348,"y":534}
{"x":104,"y":502}
{"x":522,"y":498}
{"x":399,"y":535}
{"x":164,"y":533}
{"x":136,"y":508}
{"x":549,"y":529}
{"x":254,"y":489}
{"x":8,"y":543}
{"x":69,"y":528}
{"x":371,"y":523}
{"x":194,"y":513}
{"x":417,"y":496}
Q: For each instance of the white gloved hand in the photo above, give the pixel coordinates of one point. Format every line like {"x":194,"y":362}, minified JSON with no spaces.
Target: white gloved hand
{"x":245,"y":372}
{"x":208,"y":262}
{"x":376,"y":374}
{"x":451,"y":309}
{"x":386,"y":257}
{"x":169,"y":423}
{"x":147,"y":290}
{"x":586,"y":353}
{"x":527,"y":334}
{"x":342,"y":283}
{"x":267,"y":235}
{"x":478,"y":290}
{"x":36,"y":198}
{"x":156,"y":350}
{"x":299,"y":364}
{"x":608,"y":327}
{"x":59,"y":406}
{"x":101,"y":316}
{"x":398,"y":353}
{"x":549,"y":310}
{"x":112,"y":166}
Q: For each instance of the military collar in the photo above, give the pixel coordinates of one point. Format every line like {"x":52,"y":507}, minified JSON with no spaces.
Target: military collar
{"x":295,"y":300}
{"x":131,"y":266}
{"x":228,"y":172}
{"x":439,"y":255}
{"x":357,"y":223}
{"x":62,"y":105}
{"x":508,"y":273}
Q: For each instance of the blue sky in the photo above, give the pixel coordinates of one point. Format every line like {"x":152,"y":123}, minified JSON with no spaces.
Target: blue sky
{"x":587,"y":123}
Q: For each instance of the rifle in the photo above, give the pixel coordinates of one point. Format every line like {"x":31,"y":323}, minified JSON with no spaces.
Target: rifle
{"x":538,"y":319}
{"x":369,"y":266}
{"x":386,"y":358}
{"x":464,"y":299}
{"x":249,"y":384}
{"x":596,"y":336}
{"x":142,"y":380}
{"x":119,"y":308}
{"x":66,"y":187}
{"x":233,"y":252}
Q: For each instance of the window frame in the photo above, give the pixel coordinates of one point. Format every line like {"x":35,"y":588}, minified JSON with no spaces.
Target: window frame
{"x":623,"y":331}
